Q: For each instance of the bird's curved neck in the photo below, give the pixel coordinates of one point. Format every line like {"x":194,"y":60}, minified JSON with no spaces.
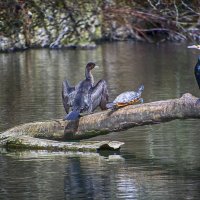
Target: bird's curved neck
{"x":89,"y":76}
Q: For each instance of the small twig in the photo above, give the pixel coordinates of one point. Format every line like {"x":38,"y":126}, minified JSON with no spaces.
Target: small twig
{"x":142,"y":33}
{"x":189,"y":8}
{"x":154,"y":29}
{"x":177,"y":13}
{"x":181,"y":35}
{"x":158,"y":3}
{"x":151,"y":4}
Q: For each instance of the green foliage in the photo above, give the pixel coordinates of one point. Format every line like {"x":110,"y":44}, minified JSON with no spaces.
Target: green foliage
{"x":147,"y":20}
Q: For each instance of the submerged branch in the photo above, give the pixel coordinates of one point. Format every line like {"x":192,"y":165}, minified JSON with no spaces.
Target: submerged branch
{"x":26,"y":142}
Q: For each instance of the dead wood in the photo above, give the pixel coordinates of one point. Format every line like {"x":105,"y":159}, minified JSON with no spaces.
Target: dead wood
{"x":104,"y":122}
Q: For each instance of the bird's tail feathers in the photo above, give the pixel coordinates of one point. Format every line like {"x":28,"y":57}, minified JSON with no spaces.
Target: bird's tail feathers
{"x":73,"y":115}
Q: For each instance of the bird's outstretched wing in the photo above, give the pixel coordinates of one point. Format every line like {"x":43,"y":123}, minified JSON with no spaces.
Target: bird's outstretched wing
{"x":68,"y":94}
{"x":98,"y":96}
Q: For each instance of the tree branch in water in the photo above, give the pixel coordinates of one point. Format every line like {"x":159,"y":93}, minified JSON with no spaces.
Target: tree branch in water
{"x":101,"y":123}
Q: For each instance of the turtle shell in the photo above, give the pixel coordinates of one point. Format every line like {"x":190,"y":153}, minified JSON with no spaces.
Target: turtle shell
{"x":126,"y":97}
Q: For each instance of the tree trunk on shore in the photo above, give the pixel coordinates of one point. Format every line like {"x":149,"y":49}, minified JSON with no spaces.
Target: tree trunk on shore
{"x":108,"y":121}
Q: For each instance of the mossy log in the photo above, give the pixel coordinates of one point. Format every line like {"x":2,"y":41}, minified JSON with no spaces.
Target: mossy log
{"x":27,"y":142}
{"x":102,"y":123}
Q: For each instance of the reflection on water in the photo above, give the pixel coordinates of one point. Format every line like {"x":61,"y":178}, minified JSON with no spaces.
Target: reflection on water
{"x":52,"y":175}
{"x":157,"y":162}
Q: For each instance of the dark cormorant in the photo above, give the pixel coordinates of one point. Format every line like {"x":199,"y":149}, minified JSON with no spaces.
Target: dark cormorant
{"x":84,"y":97}
{"x":197,"y":67}
{"x":197,"y":71}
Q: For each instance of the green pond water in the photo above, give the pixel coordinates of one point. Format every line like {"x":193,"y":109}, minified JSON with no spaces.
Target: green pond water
{"x":156,"y":162}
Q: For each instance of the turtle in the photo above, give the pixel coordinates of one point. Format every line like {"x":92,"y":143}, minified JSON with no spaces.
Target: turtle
{"x":126,"y":98}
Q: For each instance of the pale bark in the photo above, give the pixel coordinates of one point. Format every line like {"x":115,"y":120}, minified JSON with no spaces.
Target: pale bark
{"x":109,"y":121}
{"x":134,"y":115}
{"x":27,"y":142}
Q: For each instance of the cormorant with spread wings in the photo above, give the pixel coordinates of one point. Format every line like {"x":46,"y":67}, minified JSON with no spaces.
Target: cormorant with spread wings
{"x":85,"y":96}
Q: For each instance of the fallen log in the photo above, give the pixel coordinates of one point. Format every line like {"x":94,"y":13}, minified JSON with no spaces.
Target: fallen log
{"x":108,"y":121}
{"x":42,"y":154}
{"x":134,"y":115}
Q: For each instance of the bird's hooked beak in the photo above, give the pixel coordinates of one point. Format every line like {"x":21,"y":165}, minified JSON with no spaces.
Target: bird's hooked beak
{"x":194,"y":47}
{"x":96,"y":66}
